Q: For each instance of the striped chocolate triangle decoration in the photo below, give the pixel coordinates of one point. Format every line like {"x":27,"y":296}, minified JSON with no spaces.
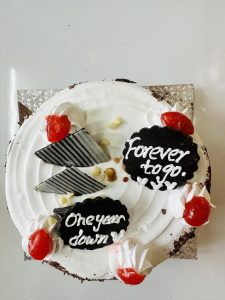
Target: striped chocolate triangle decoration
{"x":61,"y":211}
{"x":78,"y":149}
{"x":71,"y":180}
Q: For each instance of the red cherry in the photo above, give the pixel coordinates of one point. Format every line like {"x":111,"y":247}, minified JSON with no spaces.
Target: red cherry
{"x":57,"y":127}
{"x":40,"y":244}
{"x":130,"y":276}
{"x":196,"y":212}
{"x":177,"y":121}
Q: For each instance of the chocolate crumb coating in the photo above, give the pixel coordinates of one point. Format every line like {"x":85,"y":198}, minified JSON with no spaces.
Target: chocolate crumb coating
{"x":72,"y":86}
{"x":209,"y":171}
{"x":26,"y":257}
{"x":124,"y":80}
{"x":57,"y":266}
{"x":163,"y":211}
{"x":177,"y":244}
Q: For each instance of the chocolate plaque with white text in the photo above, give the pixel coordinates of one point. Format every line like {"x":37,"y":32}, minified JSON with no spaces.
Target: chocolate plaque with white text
{"x":160,"y":158}
{"x":90,"y":224}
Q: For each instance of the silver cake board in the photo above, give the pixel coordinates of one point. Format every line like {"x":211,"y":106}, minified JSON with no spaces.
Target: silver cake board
{"x":183,"y":94}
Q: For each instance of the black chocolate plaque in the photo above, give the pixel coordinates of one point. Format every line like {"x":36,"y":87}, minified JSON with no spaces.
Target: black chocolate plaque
{"x":89,"y":224}
{"x":160,"y":157}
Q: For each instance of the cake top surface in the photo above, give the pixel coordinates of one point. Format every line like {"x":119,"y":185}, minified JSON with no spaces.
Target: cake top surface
{"x":112,"y":113}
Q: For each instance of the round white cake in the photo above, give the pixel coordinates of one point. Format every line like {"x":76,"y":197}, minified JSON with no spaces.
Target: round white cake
{"x":155,"y":216}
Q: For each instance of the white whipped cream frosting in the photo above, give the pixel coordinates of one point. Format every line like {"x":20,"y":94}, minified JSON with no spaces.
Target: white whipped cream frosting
{"x":128,"y":254}
{"x":101,"y":102}
{"x":76,"y":115}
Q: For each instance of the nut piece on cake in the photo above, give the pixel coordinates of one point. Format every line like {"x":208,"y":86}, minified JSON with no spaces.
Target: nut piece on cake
{"x":96,"y":171}
{"x":104,"y":142}
{"x":116,"y":123}
{"x":111,"y":174}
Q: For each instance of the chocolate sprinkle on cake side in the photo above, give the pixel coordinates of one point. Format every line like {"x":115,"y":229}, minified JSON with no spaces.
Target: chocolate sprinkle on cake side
{"x":178,"y":244}
{"x":57,"y":266}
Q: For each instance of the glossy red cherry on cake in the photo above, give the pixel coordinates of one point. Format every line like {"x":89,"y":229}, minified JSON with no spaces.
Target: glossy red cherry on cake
{"x":40,"y":244}
{"x":57,"y":127}
{"x":179,"y":121}
{"x":130,"y":276}
{"x":197,"y":211}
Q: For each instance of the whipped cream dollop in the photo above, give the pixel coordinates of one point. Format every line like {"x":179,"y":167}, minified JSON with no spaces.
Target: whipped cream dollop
{"x":177,"y":107}
{"x":128,"y":254}
{"x":76,"y":116}
{"x":42,"y":223}
{"x":183,"y":195}
{"x":154,"y":116}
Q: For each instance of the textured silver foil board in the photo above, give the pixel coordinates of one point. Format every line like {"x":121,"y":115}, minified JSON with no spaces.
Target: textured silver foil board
{"x":183,"y":94}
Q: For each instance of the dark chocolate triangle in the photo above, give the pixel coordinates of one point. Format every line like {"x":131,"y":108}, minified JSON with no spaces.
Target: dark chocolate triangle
{"x":78,"y":149}
{"x":71,"y":180}
{"x":24,"y":112}
{"x":61,"y":211}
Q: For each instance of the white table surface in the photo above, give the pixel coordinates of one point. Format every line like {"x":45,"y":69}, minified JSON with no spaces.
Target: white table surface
{"x":51,"y":44}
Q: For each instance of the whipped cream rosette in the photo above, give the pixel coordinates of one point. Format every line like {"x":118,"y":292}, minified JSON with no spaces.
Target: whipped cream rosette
{"x":184,"y":197}
{"x":126,"y":256}
{"x":47,"y":224}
